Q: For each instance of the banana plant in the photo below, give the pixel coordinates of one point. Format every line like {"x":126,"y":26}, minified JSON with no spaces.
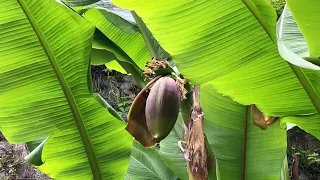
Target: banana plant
{"x":293,"y":47}
{"x":268,"y":25}
{"x":46,"y":92}
{"x":242,"y":149}
{"x":227,"y":47}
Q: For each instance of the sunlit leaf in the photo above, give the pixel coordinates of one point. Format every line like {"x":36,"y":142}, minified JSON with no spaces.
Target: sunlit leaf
{"x":291,"y":43}
{"x":309,"y":123}
{"x":79,"y":2}
{"x":114,"y":65}
{"x":46,"y":91}
{"x":306,"y":13}
{"x":242,"y":149}
{"x":145,"y":163}
{"x":223,"y":44}
{"x":132,"y":44}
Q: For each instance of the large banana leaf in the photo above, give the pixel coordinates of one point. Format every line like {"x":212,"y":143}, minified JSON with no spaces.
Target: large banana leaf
{"x":222,"y":43}
{"x":46,"y":90}
{"x":293,"y":47}
{"x":291,"y":43}
{"x":290,"y":34}
{"x":106,"y":46}
{"x":100,"y":57}
{"x":242,"y":150}
{"x":121,"y":32}
{"x":132,"y":44}
{"x":153,"y":45}
{"x":145,"y":163}
{"x":307,"y":13}
{"x":118,"y":21}
{"x":309,"y":123}
{"x":79,"y":2}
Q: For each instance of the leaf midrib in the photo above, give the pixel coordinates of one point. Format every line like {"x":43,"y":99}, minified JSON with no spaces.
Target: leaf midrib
{"x":302,"y":77}
{"x":256,"y":14}
{"x":67,"y":92}
{"x":305,"y":82}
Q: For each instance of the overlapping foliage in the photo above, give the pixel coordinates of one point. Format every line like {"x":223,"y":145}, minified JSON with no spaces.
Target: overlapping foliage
{"x":228,"y":47}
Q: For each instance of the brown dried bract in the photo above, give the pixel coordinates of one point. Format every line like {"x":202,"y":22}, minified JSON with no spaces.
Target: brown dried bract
{"x":155,"y":65}
{"x":137,"y":125}
{"x":196,"y":151}
{"x":180,"y":84}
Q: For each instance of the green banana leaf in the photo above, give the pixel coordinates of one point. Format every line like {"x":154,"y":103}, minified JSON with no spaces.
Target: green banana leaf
{"x":292,"y":46}
{"x":242,"y":150}
{"x":222,"y":43}
{"x":306,"y":13}
{"x":127,"y":21}
{"x":46,"y":91}
{"x":100,"y":57}
{"x":145,"y":163}
{"x":153,"y":46}
{"x":132,"y":44}
{"x":102,"y":43}
{"x":289,"y":33}
{"x":114,"y":65}
{"x":285,"y":170}
{"x":118,"y":17}
{"x":144,"y":36}
{"x":34,"y":144}
{"x":79,"y":2}
{"x":104,"y":57}
{"x":118,"y":21}
{"x":291,"y":43}
{"x":265,"y":14}
{"x":309,"y":123}
{"x":35,"y":148}
{"x":170,"y":151}
{"x":105,"y":52}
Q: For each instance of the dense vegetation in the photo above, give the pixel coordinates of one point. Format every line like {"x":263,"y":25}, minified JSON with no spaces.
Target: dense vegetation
{"x":241,"y":78}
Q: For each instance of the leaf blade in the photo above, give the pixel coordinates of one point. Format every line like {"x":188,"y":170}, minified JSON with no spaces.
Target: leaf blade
{"x":291,"y":43}
{"x":136,"y":49}
{"x":241,"y":148}
{"x":228,"y":49}
{"x":145,"y":163}
{"x":307,"y":123}
{"x":33,"y":104}
{"x":170,"y":151}
{"x":307,"y":17}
